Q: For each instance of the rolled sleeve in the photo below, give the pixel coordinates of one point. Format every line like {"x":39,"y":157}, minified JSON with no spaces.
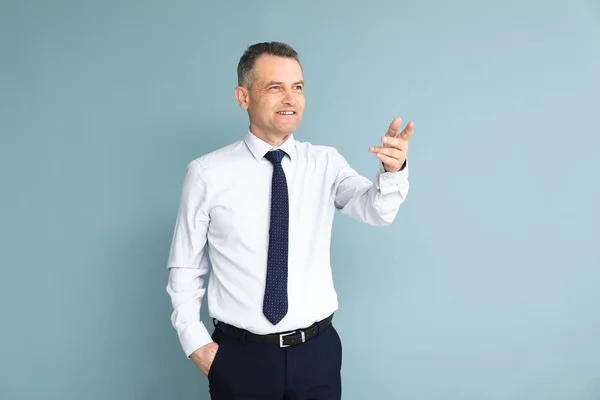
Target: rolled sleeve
{"x":390,"y":182}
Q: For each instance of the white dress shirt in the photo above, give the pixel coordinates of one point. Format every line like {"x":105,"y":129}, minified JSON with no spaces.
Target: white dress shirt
{"x":224,"y":214}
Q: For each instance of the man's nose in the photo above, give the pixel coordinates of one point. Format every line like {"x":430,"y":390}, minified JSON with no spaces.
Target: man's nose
{"x":289,"y":98}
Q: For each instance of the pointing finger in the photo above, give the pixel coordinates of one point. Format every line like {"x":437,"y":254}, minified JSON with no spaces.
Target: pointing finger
{"x":394,"y":126}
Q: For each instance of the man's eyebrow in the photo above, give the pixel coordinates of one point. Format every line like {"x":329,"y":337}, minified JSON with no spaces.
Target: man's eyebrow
{"x":273,"y":83}
{"x":281,"y":83}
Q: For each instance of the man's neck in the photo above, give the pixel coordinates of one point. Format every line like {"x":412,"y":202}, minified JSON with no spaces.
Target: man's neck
{"x":274,"y":140}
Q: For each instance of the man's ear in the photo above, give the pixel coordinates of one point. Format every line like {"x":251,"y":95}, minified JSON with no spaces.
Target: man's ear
{"x":243,"y":96}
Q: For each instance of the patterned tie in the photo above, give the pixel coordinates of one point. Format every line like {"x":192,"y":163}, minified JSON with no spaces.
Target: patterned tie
{"x":275,"y":304}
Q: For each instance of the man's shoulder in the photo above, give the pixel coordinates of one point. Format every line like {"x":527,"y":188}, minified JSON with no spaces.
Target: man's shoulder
{"x":317,"y":149}
{"x":216,"y":156}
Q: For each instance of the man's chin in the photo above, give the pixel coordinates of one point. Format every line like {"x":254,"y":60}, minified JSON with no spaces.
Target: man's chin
{"x":288,"y":129}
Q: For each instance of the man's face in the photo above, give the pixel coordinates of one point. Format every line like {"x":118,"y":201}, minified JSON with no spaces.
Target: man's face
{"x":275,"y":101}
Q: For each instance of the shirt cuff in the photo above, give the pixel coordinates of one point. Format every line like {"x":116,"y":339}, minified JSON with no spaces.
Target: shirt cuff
{"x":194,"y":336}
{"x":390,"y":182}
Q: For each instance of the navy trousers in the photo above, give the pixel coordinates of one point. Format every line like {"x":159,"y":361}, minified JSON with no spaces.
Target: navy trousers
{"x":251,"y":371}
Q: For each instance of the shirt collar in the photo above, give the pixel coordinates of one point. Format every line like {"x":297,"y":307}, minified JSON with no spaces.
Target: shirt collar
{"x":259,"y":147}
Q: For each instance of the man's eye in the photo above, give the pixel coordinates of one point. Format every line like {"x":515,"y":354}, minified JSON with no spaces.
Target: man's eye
{"x":299,"y":87}
{"x":274,"y":87}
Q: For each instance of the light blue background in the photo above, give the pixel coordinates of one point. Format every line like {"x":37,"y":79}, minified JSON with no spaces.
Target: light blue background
{"x":485,"y":287}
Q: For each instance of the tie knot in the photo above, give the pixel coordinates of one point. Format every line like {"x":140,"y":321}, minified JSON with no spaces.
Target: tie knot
{"x":275,"y":156}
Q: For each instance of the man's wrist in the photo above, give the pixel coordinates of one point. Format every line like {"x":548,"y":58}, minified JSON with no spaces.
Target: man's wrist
{"x":401,"y":168}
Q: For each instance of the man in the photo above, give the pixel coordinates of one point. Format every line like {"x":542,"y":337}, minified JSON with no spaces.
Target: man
{"x":263,"y":209}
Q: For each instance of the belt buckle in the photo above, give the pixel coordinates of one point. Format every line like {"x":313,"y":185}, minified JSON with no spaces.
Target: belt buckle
{"x":282,"y":335}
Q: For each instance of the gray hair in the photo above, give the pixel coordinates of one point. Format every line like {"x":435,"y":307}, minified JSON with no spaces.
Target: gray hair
{"x":247,"y":61}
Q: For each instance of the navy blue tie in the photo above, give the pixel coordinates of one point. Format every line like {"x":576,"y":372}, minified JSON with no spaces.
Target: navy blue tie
{"x":275,"y":303}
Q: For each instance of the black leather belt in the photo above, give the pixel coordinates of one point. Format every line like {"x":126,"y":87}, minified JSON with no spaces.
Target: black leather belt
{"x":281,"y":339}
